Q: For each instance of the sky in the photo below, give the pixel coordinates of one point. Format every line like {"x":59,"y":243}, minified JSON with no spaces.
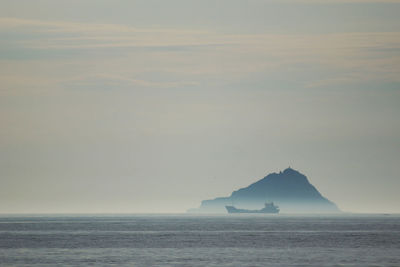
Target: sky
{"x":150,"y":106}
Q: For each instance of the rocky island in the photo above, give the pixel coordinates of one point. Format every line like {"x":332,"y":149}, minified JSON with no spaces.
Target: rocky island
{"x":290,"y":190}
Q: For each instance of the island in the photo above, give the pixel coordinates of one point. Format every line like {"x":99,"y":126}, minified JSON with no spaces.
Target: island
{"x":290,"y":190}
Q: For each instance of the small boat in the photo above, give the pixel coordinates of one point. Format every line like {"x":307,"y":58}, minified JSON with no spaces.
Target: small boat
{"x":268,"y":208}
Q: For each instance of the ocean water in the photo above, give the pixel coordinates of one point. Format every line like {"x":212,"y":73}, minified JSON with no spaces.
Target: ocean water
{"x":187,"y":240}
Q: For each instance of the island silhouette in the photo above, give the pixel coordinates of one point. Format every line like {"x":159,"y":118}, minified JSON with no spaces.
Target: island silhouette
{"x":290,"y":190}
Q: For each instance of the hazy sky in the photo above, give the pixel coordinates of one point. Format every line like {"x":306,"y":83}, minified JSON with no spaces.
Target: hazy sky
{"x":153,"y":106}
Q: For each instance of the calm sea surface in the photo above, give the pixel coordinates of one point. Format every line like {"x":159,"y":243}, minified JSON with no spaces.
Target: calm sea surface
{"x":187,"y":240}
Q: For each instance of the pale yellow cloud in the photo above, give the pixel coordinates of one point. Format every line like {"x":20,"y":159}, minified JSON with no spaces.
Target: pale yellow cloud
{"x":68,"y":26}
{"x":119,"y":80}
{"x":91,"y":35}
{"x":214,"y":58}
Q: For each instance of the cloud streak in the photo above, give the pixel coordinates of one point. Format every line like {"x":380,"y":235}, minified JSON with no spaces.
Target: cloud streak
{"x":67,"y":35}
{"x":347,"y":58}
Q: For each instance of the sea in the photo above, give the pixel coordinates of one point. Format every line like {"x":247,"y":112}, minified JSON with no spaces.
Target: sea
{"x":200,"y":240}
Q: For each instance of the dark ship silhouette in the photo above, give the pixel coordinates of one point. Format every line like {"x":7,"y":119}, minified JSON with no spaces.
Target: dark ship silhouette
{"x":268,"y":208}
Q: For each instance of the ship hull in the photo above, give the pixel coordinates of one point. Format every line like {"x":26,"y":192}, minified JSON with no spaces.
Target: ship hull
{"x":232,"y":209}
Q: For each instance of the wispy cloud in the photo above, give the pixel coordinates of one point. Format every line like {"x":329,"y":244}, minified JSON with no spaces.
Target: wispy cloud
{"x":338,"y":58}
{"x":67,"y":26}
{"x":106,"y":81}
{"x":70,"y":35}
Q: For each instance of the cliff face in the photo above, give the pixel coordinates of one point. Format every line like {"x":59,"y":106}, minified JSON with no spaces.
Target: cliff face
{"x":290,"y":190}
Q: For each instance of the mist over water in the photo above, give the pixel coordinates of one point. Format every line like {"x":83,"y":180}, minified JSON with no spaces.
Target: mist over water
{"x":187,"y":240}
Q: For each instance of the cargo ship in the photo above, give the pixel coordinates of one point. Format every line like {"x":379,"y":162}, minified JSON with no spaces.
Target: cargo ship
{"x":268,"y":208}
